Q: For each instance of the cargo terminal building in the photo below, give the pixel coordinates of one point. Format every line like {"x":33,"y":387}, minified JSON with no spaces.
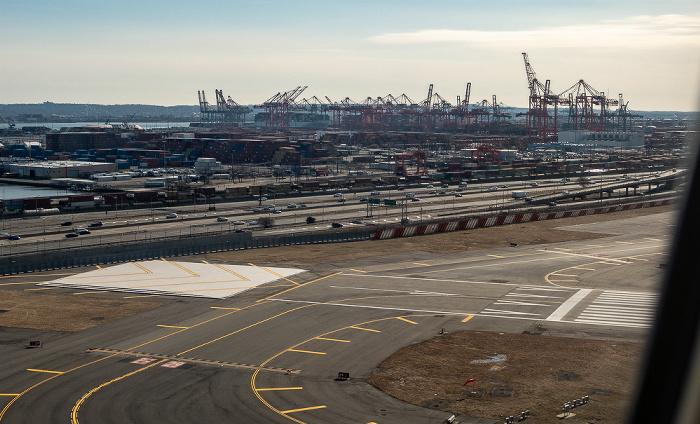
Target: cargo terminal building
{"x":58,"y":169}
{"x":604,"y":139}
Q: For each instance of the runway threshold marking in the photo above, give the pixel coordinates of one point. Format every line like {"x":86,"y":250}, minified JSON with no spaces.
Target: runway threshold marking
{"x":568,"y":305}
{"x":296,"y":287}
{"x":407,"y":320}
{"x":274,"y":273}
{"x":76,"y":407}
{"x":332,"y":340}
{"x":468,"y":318}
{"x":309,"y":408}
{"x":47,"y":371}
{"x":306,"y":351}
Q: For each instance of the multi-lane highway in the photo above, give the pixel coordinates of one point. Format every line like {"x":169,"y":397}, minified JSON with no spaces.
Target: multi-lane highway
{"x":349,"y":208}
{"x":273,"y":352}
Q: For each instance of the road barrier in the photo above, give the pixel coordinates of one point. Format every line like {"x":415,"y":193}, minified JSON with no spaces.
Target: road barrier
{"x":494,"y":221}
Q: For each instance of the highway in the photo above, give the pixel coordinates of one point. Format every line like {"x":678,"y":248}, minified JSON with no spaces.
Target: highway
{"x":272,"y":353}
{"x":132,"y":225}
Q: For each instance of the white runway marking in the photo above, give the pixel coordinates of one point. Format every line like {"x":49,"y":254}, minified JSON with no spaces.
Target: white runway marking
{"x":567,"y":306}
{"x":621,"y":308}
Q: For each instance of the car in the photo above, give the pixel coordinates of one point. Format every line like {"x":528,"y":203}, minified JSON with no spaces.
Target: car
{"x":251,"y":223}
{"x":552,"y":203}
{"x":263,"y":199}
{"x":458,"y":195}
{"x":375,"y":193}
{"x":71,"y":235}
{"x":95,"y":224}
{"x":82,"y":231}
{"x":534,"y":184}
{"x":493,"y":188}
{"x":302,"y":205}
{"x":338,"y":195}
{"x":400,"y":188}
{"x":415,"y":199}
{"x":171,"y":215}
{"x":291,"y":206}
{"x":238,"y":222}
{"x":66,"y":223}
{"x":565,"y":192}
{"x":221,"y":219}
{"x":240,"y":231}
{"x":13,"y":237}
{"x":341,"y":200}
{"x":429,"y":186}
{"x":276,"y":211}
{"x":410,"y":194}
{"x":442,"y":192}
{"x":336,"y":225}
{"x":502,"y":186}
{"x":363,"y":199}
{"x":564,"y":180}
{"x":445,"y":185}
{"x":527,"y":199}
{"x":432,"y":192}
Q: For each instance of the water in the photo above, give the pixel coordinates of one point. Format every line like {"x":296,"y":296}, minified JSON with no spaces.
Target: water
{"x":58,"y":125}
{"x":10,"y":191}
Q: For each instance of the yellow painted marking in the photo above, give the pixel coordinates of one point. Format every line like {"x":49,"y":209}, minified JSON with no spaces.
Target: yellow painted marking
{"x":333,"y":340}
{"x":100,"y":268}
{"x":585,"y":269}
{"x":303,"y":409}
{"x":279,"y":388}
{"x":89,"y":291}
{"x":406,"y":320}
{"x":221,"y":307}
{"x":638,"y":259}
{"x":562,"y":248}
{"x":357,"y":270}
{"x":296,"y":287}
{"x":418,"y":263}
{"x":306,"y":351}
{"x":239,"y":330}
{"x":563,"y":281}
{"x":181,"y":267}
{"x":171,"y":326}
{"x":274,"y":273}
{"x":42,"y":288}
{"x":565,"y":275}
{"x":228,"y":270}
{"x":468,"y":318}
{"x":9,"y":394}
{"x":51,"y":372}
{"x":139,"y":266}
{"x":76,"y":407}
{"x":366,"y":329}
{"x":141,"y":296}
{"x":623,"y":242}
{"x":604,"y":262}
{"x":652,"y":239}
{"x":27,"y":283}
{"x":496,"y":256}
{"x":594,"y":245}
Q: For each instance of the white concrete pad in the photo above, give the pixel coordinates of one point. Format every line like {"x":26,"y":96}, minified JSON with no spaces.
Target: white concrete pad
{"x":195,"y":279}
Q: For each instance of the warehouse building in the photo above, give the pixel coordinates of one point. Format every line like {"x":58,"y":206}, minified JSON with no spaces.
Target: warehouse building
{"x":58,"y":169}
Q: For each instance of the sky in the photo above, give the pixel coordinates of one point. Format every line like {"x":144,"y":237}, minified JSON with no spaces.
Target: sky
{"x":162,"y":52}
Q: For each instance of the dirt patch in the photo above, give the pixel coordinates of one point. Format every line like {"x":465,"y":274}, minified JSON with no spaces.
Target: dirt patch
{"x":513,"y":373}
{"x":64,"y":312}
{"x":539,"y":232}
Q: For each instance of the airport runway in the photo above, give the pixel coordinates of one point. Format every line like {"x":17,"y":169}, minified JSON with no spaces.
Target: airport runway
{"x":272,"y":352}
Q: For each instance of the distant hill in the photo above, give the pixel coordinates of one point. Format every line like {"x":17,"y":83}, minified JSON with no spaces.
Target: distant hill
{"x":95,"y":112}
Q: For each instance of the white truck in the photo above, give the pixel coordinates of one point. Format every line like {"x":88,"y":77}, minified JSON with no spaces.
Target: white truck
{"x":519,"y":195}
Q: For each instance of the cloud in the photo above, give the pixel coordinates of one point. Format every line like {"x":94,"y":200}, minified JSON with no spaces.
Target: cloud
{"x":638,"y":32}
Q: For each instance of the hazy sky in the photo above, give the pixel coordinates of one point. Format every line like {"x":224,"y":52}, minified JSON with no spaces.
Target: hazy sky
{"x":162,"y":52}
